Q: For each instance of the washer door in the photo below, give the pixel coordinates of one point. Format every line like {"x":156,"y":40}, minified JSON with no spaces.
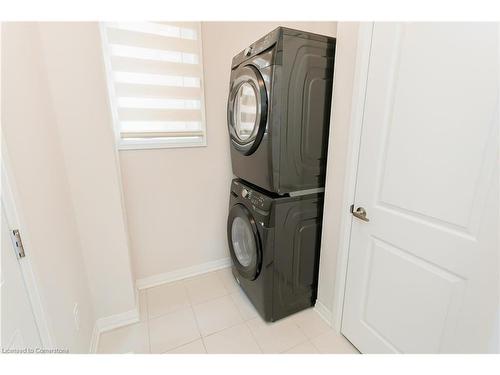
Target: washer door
{"x":247,"y":109}
{"x":244,"y":242}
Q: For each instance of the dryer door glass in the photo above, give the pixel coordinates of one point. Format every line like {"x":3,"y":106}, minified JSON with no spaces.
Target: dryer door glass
{"x":245,"y":111}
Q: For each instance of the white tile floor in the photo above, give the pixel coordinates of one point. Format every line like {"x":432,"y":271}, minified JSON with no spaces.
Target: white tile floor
{"x":210,"y":314}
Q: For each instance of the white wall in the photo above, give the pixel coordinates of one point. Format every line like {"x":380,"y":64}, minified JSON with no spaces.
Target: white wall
{"x":345,"y":61}
{"x":176,"y":199}
{"x":77,"y":82}
{"x":37,"y":164}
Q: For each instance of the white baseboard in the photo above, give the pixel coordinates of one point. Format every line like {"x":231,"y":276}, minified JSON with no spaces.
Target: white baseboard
{"x":167,"y":277}
{"x":118,"y":320}
{"x":324,"y":312}
{"x":111,"y":322}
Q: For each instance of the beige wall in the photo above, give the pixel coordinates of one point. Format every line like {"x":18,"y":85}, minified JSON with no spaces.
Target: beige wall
{"x":57,"y":126}
{"x":345,"y":61}
{"x":176,"y":199}
{"x":37,"y":165}
{"x":77,"y":82}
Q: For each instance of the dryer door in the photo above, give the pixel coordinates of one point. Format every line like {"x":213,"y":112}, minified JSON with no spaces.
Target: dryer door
{"x":244,"y":242}
{"x":247,"y":109}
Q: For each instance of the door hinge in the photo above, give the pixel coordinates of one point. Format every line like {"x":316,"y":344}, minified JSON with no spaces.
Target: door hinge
{"x":19,"y":243}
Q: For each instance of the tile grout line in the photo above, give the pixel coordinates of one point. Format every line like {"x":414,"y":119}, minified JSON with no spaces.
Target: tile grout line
{"x":231,"y":294}
{"x":310,"y":339}
{"x":319,"y":351}
{"x":228,"y":294}
{"x":300,"y":343}
{"x":303,"y":331}
{"x":192,"y":306}
{"x":230,"y":326}
{"x":187,"y":343}
{"x":210,"y":299}
{"x":293,"y":347}
{"x":243,"y":321}
{"x":199,"y":330}
{"x":171,"y":312}
{"x":253,"y":336}
{"x":174,"y":309}
{"x":195,"y":317}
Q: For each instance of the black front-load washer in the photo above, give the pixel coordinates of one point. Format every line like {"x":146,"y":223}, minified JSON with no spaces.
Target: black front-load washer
{"x":278,"y":110}
{"x":274,"y":243}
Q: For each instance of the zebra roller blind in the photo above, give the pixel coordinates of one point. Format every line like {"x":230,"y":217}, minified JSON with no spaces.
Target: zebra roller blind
{"x":155,"y":80}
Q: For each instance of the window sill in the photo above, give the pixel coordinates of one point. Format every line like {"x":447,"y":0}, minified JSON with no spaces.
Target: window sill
{"x":145,"y":144}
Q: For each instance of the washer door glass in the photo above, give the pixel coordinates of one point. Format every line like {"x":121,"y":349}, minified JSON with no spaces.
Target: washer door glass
{"x":243,"y":240}
{"x":245,"y":112}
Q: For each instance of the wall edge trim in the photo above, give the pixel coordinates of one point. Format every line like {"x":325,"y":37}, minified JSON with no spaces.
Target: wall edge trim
{"x":111,"y":322}
{"x":324,"y":312}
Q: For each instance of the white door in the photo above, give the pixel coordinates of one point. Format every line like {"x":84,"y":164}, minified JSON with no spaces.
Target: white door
{"x":19,"y":330}
{"x":423,"y":271}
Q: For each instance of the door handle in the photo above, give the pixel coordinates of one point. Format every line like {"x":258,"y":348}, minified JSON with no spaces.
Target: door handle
{"x":360,"y":213}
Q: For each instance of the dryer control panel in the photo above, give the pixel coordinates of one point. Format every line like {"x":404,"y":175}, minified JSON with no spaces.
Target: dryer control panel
{"x":257,"y":48}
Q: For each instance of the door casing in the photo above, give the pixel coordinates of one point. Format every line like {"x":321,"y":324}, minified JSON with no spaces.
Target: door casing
{"x":353,"y":150}
{"x":15,"y":219}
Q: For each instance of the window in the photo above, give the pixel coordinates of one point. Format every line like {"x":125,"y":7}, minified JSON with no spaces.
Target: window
{"x":155,"y":81}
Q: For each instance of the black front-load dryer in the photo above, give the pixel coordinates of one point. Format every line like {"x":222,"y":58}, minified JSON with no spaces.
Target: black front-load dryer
{"x":278,"y":110}
{"x":274,"y":242}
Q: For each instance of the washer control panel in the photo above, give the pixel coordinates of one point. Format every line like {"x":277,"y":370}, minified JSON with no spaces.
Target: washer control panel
{"x":255,"y":198}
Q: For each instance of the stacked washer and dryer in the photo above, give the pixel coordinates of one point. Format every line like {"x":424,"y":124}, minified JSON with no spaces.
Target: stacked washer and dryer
{"x":278,"y":118}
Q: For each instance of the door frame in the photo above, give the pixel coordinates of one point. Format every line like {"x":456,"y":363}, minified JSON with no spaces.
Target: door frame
{"x":9,"y":198}
{"x":363,"y":50}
